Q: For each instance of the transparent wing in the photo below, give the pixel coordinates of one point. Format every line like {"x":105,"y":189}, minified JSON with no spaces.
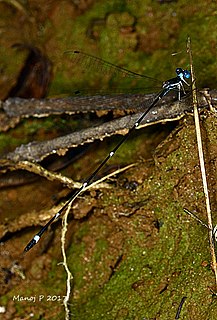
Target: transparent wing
{"x":101,"y":65}
{"x":142,"y":83}
{"x":112,"y":79}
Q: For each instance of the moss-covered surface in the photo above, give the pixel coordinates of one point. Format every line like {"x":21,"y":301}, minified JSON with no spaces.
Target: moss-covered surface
{"x":133,"y":254}
{"x":158,"y":267}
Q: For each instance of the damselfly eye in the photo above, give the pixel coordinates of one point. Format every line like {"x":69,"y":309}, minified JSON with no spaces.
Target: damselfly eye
{"x":187,"y":74}
{"x":178,"y":71}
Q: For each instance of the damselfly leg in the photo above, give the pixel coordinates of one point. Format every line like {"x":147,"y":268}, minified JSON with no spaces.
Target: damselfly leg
{"x":194,"y":216}
{"x":176,"y":83}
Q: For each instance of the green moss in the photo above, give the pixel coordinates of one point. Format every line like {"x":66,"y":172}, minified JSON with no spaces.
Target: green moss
{"x":152,"y":279}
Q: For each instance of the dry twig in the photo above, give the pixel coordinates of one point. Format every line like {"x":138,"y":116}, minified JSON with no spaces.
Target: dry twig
{"x":202,"y":164}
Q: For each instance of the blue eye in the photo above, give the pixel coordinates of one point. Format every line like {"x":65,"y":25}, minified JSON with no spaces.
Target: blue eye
{"x":187,"y":74}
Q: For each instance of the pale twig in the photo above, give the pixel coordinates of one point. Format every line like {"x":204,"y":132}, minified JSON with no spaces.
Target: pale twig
{"x":202,"y":165}
{"x":97,"y":183}
{"x":68,"y":273}
{"x":63,"y":238}
{"x":53,"y":176}
{"x":49,"y":175}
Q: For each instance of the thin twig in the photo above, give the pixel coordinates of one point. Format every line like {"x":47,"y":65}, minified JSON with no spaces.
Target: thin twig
{"x":47,"y":174}
{"x":36,"y":218}
{"x":63,"y":240}
{"x":53,"y":176}
{"x":98,"y":182}
{"x":202,"y":165}
{"x":68,"y":273}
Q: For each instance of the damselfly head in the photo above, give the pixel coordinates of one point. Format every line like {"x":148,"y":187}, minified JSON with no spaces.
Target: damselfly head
{"x":183,"y":73}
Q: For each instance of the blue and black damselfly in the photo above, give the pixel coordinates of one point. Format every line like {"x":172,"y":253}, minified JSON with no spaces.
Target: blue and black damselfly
{"x":176,"y":83}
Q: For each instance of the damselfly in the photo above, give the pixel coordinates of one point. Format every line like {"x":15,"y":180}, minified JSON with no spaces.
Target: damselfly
{"x":176,"y":83}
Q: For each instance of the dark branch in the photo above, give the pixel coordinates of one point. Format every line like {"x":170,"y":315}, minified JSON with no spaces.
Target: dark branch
{"x":37,"y":151}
